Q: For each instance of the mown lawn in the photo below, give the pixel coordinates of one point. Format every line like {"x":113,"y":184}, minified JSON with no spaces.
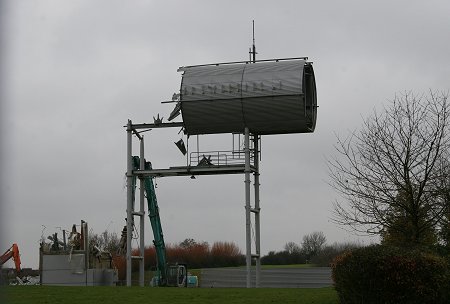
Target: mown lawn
{"x":139,"y":295}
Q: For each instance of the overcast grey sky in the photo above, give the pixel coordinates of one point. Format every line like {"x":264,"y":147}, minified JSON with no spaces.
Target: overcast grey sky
{"x":73,"y":72}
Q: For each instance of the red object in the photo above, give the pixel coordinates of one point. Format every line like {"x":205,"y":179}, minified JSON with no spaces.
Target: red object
{"x":12,"y":252}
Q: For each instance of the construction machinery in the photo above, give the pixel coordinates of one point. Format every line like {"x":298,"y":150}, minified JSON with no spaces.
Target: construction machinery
{"x":12,"y":252}
{"x":171,"y":275}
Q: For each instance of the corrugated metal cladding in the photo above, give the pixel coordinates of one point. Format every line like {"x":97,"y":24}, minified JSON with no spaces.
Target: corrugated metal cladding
{"x":275,"y":97}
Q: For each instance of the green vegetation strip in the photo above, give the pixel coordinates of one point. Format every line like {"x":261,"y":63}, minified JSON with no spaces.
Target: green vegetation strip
{"x":139,"y":295}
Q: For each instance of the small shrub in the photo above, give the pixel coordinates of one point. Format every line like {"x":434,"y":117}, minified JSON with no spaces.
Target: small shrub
{"x":381,"y":274}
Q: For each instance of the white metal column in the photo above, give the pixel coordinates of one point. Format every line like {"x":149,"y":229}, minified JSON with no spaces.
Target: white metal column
{"x":130,"y":206}
{"x":141,"y":214}
{"x":257,"y":210}
{"x":247,"y":207}
{"x":129,"y":200}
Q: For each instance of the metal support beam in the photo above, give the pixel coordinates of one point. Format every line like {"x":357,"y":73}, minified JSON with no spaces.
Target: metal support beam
{"x":159,"y":125}
{"x":247,"y":207}
{"x":198,"y":170}
{"x":141,"y":215}
{"x":257,"y":210}
{"x":129,"y":200}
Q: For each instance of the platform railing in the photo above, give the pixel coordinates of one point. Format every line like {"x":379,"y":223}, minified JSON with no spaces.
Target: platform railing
{"x":217,"y":158}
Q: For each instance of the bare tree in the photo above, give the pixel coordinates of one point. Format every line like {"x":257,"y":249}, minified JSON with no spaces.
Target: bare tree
{"x":107,"y":241}
{"x":313,"y":243}
{"x":391,"y":171}
{"x":188,"y":243}
{"x":291,"y":248}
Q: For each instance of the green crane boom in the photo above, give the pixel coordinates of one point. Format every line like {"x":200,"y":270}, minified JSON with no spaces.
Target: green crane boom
{"x":174,"y":275}
{"x":155,"y":221}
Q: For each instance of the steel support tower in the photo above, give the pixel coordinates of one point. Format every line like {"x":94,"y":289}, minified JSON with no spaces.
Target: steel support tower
{"x":250,"y":165}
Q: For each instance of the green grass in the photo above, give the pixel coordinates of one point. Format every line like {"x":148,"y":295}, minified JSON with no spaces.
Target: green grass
{"x":139,"y":295}
{"x":148,"y":275}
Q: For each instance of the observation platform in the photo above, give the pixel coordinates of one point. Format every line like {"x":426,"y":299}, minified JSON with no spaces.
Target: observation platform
{"x":198,"y":162}
{"x":205,"y":163}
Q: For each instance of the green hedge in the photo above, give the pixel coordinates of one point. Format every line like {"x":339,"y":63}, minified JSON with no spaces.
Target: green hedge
{"x":381,"y":274}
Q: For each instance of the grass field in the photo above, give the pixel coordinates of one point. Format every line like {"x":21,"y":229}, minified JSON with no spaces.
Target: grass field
{"x":140,"y":295}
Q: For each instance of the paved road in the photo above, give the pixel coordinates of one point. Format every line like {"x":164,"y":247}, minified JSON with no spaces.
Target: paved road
{"x":314,"y":277}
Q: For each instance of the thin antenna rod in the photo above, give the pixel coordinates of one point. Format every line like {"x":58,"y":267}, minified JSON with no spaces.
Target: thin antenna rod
{"x":252,"y":51}
{"x":254,"y":46}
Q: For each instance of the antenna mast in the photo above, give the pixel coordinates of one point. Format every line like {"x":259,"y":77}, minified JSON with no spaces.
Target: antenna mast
{"x":252,"y":50}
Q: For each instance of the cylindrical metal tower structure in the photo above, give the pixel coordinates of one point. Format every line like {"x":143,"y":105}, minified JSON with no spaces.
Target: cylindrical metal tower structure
{"x":268,"y":97}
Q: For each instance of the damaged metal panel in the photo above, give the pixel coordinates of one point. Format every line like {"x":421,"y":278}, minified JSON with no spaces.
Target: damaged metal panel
{"x":275,"y":97}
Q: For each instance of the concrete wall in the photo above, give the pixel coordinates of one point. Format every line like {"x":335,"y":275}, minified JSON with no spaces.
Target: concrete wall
{"x":69,"y":270}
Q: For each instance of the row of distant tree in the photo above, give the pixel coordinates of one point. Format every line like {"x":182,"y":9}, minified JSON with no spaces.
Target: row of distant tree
{"x":198,"y":254}
{"x":195,"y":254}
{"x":313,"y":249}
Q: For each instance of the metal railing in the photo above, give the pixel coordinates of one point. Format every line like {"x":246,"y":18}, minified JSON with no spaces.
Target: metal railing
{"x":218,"y":158}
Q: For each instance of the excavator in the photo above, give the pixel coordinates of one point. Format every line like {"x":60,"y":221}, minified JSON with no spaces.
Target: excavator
{"x":12,"y":252}
{"x":169,"y":275}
